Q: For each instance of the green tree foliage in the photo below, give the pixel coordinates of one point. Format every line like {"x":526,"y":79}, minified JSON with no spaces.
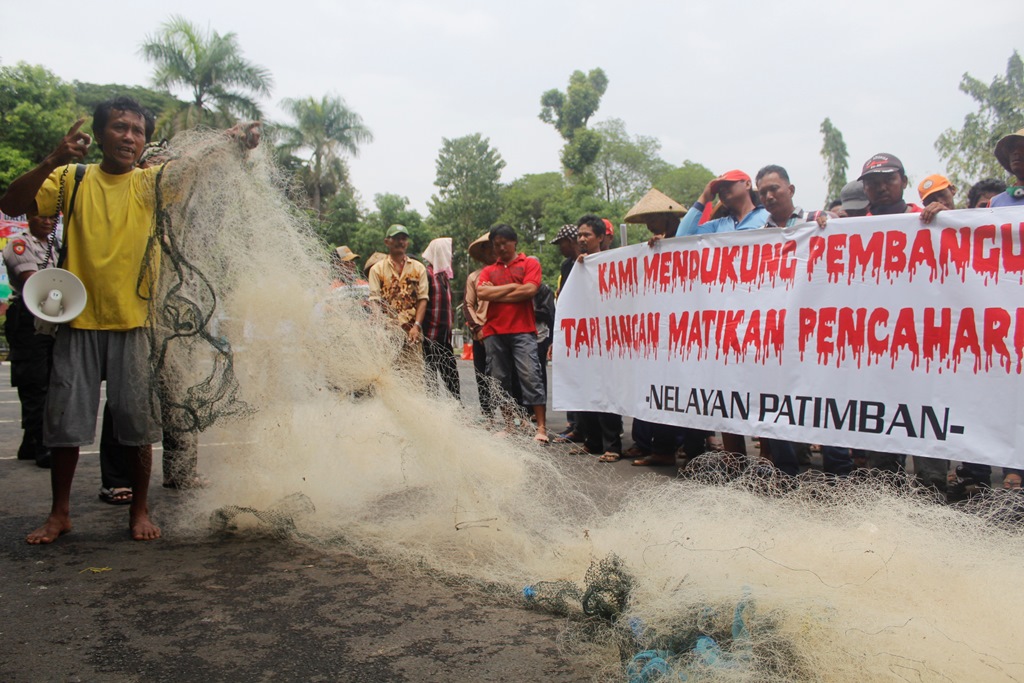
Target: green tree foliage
{"x":968,"y":151}
{"x":534,"y":205}
{"x":222,"y":84}
{"x":339,"y":222}
{"x":538,"y":205}
{"x":326,"y":129}
{"x":528,"y":200}
{"x":88,"y":95}
{"x":569,"y":113}
{"x":684,"y":184}
{"x":468,"y":200}
{"x":368,"y":235}
{"x":626,"y":166}
{"x":36,"y":110}
{"x":837,"y":159}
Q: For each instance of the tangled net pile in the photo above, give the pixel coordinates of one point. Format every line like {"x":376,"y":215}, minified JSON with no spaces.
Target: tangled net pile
{"x":730,"y":573}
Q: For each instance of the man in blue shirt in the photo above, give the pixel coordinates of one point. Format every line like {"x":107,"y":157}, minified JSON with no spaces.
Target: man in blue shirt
{"x":736,"y":193}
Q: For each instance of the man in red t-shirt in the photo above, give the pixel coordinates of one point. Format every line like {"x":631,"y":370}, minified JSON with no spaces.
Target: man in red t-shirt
{"x":510,"y":333}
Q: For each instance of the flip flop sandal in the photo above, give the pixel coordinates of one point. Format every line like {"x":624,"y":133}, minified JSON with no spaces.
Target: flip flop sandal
{"x":655,"y":461}
{"x":610,"y":457}
{"x":116,"y":496}
{"x":566,"y":437}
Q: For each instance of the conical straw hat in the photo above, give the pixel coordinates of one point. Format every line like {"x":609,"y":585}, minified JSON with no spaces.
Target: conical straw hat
{"x":481,"y":249}
{"x":654,"y":202}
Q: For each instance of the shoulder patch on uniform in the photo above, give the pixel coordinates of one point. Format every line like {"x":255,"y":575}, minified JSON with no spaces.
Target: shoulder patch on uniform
{"x":18,"y":246}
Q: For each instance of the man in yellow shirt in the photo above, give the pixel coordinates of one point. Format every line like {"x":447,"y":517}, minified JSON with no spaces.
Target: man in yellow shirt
{"x":106,"y":238}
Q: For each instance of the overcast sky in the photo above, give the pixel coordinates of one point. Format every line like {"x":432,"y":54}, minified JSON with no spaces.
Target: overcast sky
{"x":729,"y":85}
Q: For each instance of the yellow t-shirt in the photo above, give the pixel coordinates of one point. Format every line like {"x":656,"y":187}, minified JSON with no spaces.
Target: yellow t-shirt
{"x":106,"y":239}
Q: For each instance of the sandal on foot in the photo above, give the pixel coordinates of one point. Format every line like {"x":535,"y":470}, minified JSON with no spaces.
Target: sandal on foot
{"x":655,"y":461}
{"x":542,"y":439}
{"x":610,"y":457}
{"x":567,"y":436}
{"x":635,"y":452}
{"x":116,"y":496}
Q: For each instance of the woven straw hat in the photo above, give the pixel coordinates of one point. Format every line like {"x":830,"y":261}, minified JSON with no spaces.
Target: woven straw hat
{"x":654,"y":202}
{"x":481,"y":249}
{"x":1004,"y":146}
{"x":345,"y":254}
{"x":375,"y":258}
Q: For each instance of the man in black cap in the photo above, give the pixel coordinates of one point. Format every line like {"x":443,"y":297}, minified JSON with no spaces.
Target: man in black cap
{"x":566,"y":240}
{"x":884,"y":182}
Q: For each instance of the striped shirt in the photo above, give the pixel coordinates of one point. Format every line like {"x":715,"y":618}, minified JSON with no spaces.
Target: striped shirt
{"x":437,"y":323}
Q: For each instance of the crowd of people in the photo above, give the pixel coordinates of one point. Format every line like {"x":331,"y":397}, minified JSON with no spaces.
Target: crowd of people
{"x":510,"y":322}
{"x":108,"y":212}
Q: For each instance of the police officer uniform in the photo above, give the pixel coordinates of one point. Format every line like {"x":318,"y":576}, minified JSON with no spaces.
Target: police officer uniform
{"x":29,"y":352}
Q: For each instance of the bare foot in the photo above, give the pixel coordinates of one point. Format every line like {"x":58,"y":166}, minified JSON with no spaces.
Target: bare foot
{"x":142,"y":528}
{"x":55,"y":526}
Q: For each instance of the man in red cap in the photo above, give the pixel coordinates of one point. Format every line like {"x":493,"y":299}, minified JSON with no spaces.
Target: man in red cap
{"x":736,"y":193}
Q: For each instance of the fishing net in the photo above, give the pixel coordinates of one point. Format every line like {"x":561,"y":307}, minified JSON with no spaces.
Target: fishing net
{"x":728,"y":573}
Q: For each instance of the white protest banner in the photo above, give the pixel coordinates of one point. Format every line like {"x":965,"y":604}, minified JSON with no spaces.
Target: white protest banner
{"x":879,"y":333}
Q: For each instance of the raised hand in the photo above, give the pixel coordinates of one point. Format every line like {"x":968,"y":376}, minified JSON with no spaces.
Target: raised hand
{"x":73,"y":146}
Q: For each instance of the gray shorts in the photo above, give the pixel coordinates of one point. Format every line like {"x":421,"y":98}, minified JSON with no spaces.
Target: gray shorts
{"x":82,"y":359}
{"x":518,"y":352}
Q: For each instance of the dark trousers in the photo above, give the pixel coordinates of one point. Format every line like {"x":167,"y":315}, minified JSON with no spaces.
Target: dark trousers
{"x":836,"y":460}
{"x":440,"y":359}
{"x":783,"y":454}
{"x":661,"y":439}
{"x":483,"y":382}
{"x":180,"y":457}
{"x":542,"y":354}
{"x":30,"y":357}
{"x":602,"y":432}
{"x":115,"y":459}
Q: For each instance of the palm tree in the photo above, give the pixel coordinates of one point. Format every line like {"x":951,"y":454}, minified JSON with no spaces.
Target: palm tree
{"x":328,"y":128}
{"x":211,"y":65}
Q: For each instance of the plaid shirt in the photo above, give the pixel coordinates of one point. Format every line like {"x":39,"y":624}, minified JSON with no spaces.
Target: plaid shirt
{"x":437,"y":323}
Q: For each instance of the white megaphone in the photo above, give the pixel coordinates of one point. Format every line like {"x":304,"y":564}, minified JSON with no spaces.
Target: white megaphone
{"x":54,"y":295}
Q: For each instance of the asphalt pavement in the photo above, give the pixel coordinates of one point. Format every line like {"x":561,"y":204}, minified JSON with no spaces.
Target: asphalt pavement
{"x":97,"y":606}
